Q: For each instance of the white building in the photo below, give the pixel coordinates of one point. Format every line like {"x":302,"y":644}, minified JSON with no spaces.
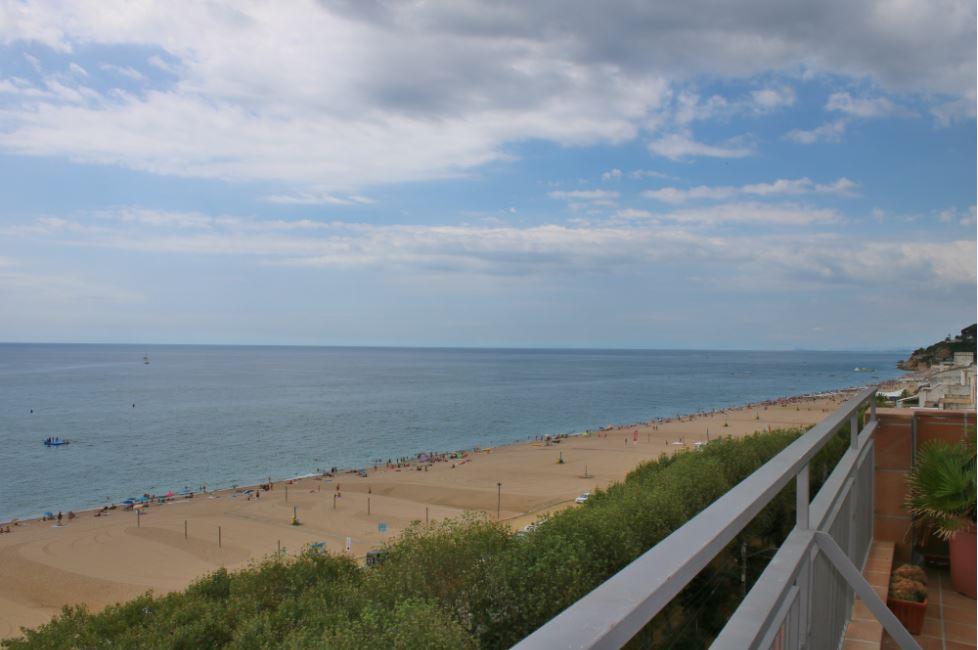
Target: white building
{"x":951,"y":386}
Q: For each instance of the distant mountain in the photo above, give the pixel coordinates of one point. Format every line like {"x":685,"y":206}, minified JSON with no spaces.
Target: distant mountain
{"x":941,"y":351}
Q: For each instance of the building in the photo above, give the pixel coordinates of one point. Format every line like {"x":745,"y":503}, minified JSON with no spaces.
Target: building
{"x":950,"y":385}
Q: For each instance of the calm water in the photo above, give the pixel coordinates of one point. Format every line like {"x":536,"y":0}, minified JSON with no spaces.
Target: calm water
{"x":232,"y":415}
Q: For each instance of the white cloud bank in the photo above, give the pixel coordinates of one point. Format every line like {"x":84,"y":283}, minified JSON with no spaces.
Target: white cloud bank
{"x":867,"y":107}
{"x":643,"y":242}
{"x":679,"y":146}
{"x":361,"y":93}
{"x":780,"y":187}
{"x":828,"y":132}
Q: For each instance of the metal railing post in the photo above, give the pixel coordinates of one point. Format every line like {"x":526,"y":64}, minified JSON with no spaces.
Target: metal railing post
{"x":802,"y":522}
{"x":870,"y":598}
{"x":852,"y":484}
{"x":802,"y":499}
{"x":854,"y":505}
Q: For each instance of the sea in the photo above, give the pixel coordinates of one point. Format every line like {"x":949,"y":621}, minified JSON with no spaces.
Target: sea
{"x":149,"y":419}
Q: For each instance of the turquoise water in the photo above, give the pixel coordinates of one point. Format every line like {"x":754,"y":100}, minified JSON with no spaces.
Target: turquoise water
{"x":222,"y":415}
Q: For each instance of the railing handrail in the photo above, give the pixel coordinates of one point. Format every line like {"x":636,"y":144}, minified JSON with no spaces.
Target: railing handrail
{"x":619,"y":608}
{"x":757,"y":611}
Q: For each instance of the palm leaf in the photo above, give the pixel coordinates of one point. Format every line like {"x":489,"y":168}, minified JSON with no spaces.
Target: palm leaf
{"x":942,"y":487}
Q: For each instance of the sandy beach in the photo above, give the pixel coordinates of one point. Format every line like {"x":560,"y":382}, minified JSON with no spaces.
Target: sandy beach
{"x":99,"y":560}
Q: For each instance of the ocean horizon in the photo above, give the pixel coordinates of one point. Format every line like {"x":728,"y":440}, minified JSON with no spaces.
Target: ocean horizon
{"x":224,"y":415}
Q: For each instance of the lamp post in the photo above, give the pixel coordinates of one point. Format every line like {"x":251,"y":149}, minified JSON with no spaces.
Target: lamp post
{"x":499,"y":498}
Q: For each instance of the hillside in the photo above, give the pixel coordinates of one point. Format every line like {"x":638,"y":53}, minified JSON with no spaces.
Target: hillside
{"x":941,"y":351}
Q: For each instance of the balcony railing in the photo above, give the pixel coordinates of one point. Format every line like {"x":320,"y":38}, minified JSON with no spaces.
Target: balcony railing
{"x":804,"y":596}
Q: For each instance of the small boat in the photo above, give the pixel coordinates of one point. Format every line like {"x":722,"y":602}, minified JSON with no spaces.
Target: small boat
{"x":146,"y":359}
{"x":55,"y":441}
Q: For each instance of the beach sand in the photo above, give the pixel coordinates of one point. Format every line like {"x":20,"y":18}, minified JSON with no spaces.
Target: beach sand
{"x":102,"y":560}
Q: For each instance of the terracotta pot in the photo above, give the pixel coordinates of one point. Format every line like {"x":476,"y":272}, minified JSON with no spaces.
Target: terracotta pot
{"x":909,"y":613}
{"x":963,"y":566}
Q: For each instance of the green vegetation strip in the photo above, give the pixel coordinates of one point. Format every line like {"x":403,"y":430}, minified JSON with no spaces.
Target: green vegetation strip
{"x":468,"y":582}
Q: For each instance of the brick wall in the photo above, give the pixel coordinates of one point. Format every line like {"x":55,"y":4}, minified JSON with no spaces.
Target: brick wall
{"x":894,"y":441}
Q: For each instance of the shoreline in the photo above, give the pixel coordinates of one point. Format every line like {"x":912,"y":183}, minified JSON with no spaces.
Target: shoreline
{"x":176,"y":497}
{"x":120,"y":554}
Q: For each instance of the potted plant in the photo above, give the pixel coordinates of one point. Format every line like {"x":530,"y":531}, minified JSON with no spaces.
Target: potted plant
{"x":942,"y":500}
{"x":910,"y":572}
{"x":908,"y":600}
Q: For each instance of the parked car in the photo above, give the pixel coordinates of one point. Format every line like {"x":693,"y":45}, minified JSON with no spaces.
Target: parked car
{"x":584,"y":497}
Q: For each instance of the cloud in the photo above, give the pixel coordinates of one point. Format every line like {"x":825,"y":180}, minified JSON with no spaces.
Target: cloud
{"x":954,"y":110}
{"x":34,"y":62}
{"x":828,"y":132}
{"x":677,"y":195}
{"x":648,"y":173}
{"x":370,"y":93}
{"x":688,"y":106}
{"x":749,"y":213}
{"x":591,"y":197}
{"x":123,"y":70}
{"x":586,"y":195}
{"x":768,"y":99}
{"x":77,"y":69}
{"x":163,"y":65}
{"x":317,"y":198}
{"x":841,"y":187}
{"x":961,"y":217}
{"x":641,"y":242}
{"x":611,"y":175}
{"x":866,"y":107}
{"x":680,"y":146}
{"x":633,"y":213}
{"x":30,"y":288}
{"x":969,"y":219}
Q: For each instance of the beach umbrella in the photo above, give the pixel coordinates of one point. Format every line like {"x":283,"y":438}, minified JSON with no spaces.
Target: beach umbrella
{"x":170,"y":493}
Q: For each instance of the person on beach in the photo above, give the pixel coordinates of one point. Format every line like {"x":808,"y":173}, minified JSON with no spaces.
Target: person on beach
{"x":59,"y":517}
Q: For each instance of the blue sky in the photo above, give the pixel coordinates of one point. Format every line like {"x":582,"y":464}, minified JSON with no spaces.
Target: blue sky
{"x":536,"y":174}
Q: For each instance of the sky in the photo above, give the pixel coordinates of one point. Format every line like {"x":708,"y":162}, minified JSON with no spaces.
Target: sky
{"x":749,"y":175}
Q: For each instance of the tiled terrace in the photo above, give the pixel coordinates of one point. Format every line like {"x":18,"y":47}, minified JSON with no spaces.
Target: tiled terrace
{"x":949,"y":623}
{"x":864,"y":632}
{"x":950,"y":619}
